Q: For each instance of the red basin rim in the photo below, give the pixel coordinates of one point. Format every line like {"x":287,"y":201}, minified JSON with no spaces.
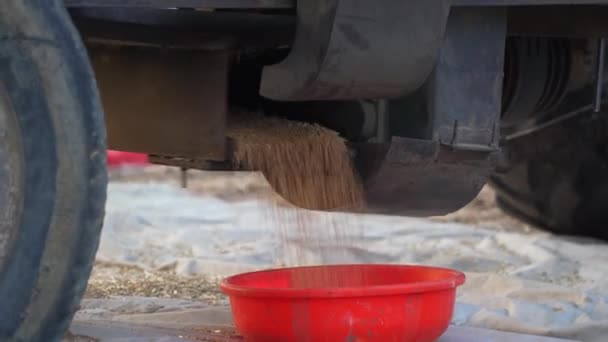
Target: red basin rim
{"x":452,"y":280}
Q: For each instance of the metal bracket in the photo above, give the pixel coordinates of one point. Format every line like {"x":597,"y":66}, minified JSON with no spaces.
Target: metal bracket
{"x":465,"y":90}
{"x":420,"y":177}
{"x":599,"y":75}
{"x":352,"y":49}
{"x":443,"y":162}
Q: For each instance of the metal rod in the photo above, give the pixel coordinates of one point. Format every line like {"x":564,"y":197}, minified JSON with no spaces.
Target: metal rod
{"x":596,"y":107}
{"x":599,"y":77}
{"x":382,"y":129}
{"x":184,"y":177}
{"x":557,"y":120}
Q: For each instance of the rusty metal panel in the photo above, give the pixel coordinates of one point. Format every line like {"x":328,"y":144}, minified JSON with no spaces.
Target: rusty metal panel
{"x":164,"y":102}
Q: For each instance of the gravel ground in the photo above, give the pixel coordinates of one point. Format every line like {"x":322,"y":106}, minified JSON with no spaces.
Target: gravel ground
{"x":116,"y":280}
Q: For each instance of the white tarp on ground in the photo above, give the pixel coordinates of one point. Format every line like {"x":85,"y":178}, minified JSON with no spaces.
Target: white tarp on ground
{"x":529,"y":283}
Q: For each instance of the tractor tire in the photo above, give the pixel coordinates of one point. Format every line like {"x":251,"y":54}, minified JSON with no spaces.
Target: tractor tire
{"x":557,"y":178}
{"x":52,"y":170}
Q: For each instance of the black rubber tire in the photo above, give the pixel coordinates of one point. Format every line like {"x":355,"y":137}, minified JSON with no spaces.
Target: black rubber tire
{"x":557,"y":178}
{"x":47,"y":79}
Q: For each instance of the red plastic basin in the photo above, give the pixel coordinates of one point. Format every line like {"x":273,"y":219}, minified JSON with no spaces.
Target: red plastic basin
{"x":344,"y":303}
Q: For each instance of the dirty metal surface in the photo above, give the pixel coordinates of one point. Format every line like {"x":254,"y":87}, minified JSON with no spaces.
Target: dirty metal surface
{"x":559,"y":21}
{"x":443,"y":163}
{"x":292,"y":3}
{"x":465,"y":90}
{"x":11,"y":174}
{"x":350,"y":49}
{"x":183,"y":3}
{"x":164,"y":102}
{"x":193,"y":30}
{"x":417,"y":177}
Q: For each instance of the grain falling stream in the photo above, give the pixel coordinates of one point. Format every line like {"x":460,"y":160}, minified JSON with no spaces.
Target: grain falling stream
{"x":310,"y":167}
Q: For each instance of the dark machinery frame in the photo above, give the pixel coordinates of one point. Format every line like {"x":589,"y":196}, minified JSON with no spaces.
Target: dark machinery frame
{"x":292,"y":3}
{"x":451,"y":54}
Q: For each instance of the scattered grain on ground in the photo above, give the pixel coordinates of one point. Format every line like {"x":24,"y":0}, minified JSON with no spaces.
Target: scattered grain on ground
{"x":110,"y":280}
